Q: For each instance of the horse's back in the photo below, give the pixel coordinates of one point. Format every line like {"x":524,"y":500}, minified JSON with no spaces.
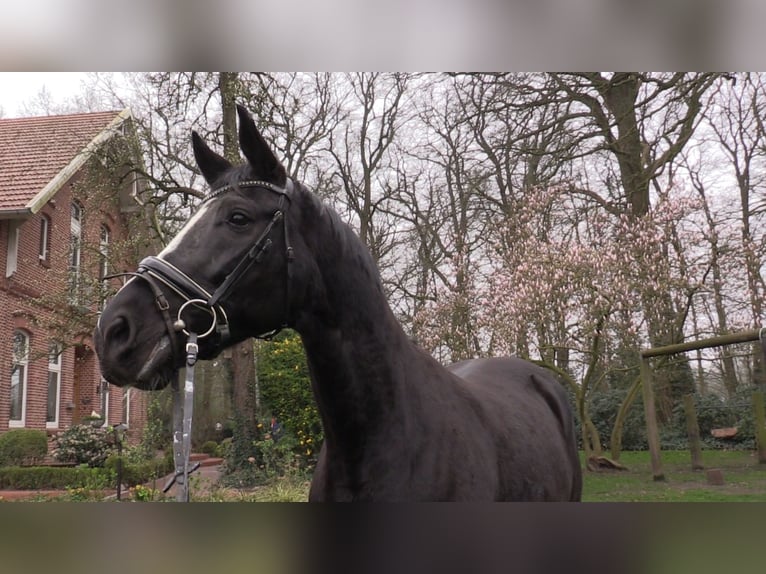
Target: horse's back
{"x":528,"y":412}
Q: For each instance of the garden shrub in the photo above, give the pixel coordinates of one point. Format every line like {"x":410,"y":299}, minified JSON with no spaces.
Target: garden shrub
{"x":23,"y":447}
{"x":265,"y":460}
{"x":225,"y":447}
{"x":210,"y":448}
{"x":158,"y":432}
{"x":134,"y":473}
{"x":83,"y":444}
{"x":286,"y":393}
{"x":53,"y":477}
{"x":713,"y":412}
{"x":603,"y":411}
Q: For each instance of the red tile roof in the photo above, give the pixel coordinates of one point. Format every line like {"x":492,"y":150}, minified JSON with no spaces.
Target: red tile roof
{"x":36,"y":151}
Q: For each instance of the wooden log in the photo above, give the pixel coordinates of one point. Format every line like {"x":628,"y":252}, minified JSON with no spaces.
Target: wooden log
{"x":599,"y":463}
{"x":725,"y":432}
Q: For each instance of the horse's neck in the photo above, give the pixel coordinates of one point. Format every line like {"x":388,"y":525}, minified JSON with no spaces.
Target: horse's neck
{"x":357,"y":383}
{"x":355,"y":348}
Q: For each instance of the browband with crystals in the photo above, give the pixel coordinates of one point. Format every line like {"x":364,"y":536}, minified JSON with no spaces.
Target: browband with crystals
{"x":284,"y":191}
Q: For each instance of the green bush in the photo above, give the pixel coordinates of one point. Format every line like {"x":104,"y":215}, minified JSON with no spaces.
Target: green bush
{"x":52,"y":477}
{"x":286,"y":393}
{"x":134,"y":473}
{"x":603,"y":410}
{"x":23,"y":447}
{"x":210,"y":448}
{"x":714,"y":412}
{"x":83,"y":444}
{"x":265,"y":460}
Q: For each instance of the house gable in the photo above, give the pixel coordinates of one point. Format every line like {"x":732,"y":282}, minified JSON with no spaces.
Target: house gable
{"x":39,"y":155}
{"x":40,"y":183}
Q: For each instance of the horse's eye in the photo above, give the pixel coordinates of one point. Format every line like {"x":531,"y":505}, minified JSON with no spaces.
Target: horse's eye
{"x":238,"y":219}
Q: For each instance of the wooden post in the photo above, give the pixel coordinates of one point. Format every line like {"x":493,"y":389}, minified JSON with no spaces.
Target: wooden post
{"x":652,"y":433}
{"x":693,"y":431}
{"x":650,"y":415}
{"x":760,"y":425}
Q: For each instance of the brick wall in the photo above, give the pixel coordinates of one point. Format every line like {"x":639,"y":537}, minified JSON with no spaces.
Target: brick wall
{"x":20,"y":308}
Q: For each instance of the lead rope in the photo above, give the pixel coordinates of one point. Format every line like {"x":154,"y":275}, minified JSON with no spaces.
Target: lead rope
{"x":183,"y":407}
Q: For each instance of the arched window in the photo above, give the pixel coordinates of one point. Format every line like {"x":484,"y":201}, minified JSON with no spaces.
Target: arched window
{"x":20,"y":362}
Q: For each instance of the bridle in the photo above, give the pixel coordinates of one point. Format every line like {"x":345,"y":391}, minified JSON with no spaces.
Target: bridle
{"x":159,"y":273}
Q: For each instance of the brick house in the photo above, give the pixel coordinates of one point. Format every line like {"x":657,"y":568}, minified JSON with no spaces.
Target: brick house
{"x":65,"y":204}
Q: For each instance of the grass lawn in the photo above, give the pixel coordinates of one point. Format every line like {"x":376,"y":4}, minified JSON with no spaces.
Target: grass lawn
{"x":744,"y":479}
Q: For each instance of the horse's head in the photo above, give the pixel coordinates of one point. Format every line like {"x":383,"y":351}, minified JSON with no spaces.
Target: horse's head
{"x":225,"y":276}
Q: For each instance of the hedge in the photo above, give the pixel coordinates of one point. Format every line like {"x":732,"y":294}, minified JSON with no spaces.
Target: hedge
{"x":51,"y":477}
{"x":62,"y":477}
{"x":23,"y":447}
{"x":140,"y":472}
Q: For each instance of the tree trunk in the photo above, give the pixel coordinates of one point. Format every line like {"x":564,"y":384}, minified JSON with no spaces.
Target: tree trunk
{"x":242,"y":364}
{"x":615,"y":442}
{"x":620,"y":94}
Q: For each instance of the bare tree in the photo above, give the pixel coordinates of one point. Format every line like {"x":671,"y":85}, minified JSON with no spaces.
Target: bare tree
{"x":360,"y":149}
{"x":735,"y":118}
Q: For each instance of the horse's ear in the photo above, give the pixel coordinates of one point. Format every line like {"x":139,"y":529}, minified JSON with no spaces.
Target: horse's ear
{"x":210,"y":163}
{"x":258,"y":153}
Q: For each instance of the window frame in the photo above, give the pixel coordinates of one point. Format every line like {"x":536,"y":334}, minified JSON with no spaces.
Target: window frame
{"x":54,"y":368}
{"x":104,"y":243}
{"x":105,"y":396}
{"x":126,"y":396}
{"x":75,"y":251}
{"x":22,"y":363}
{"x":44,"y":248}
{"x":12,"y":254}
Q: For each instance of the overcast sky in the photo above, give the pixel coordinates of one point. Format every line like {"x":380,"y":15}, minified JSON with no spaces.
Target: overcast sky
{"x":16,"y":88}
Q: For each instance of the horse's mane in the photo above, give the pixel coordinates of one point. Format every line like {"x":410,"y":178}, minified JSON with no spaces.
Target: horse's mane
{"x":340,"y":234}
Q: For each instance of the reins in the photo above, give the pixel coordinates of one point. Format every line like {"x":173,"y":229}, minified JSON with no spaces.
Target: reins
{"x":156,"y":272}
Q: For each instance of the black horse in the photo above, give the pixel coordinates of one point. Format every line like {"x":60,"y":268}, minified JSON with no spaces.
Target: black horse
{"x":262,"y":253}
